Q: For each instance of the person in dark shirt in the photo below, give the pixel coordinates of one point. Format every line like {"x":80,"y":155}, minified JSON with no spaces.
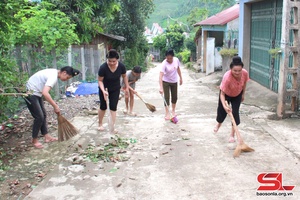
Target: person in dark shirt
{"x":109,"y":75}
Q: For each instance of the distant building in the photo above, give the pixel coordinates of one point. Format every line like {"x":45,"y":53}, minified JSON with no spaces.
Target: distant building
{"x":153,"y":32}
{"x":150,"y":34}
{"x":216,"y":32}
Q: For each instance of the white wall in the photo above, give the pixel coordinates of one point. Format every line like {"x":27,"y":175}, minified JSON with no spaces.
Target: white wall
{"x":218,"y":58}
{"x":210,"y":68}
{"x":233,"y":25}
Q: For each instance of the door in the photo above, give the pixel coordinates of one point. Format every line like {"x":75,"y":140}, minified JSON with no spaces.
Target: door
{"x":210,"y":56}
{"x":266,"y":22}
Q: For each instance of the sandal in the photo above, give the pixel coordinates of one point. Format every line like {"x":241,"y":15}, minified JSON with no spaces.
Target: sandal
{"x":125,"y":112}
{"x":38,"y":145}
{"x":114,"y":132}
{"x":52,"y":139}
{"x":101,"y":128}
{"x":167,"y":118}
{"x":231,"y":139}
{"x":132,"y":114}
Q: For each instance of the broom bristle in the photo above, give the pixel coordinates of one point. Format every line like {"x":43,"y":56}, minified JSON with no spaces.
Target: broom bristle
{"x":66,"y":130}
{"x":246,"y":148}
{"x":151,"y":107}
{"x":237,"y":151}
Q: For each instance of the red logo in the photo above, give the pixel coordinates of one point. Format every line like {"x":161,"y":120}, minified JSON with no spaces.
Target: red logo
{"x":272,"y":181}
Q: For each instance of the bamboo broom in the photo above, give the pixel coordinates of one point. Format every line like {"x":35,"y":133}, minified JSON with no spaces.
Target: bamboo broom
{"x":148,"y":105}
{"x":65,"y":129}
{"x":241,"y":147}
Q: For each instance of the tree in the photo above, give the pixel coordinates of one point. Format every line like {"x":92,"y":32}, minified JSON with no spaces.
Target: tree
{"x":43,"y":30}
{"x":129,"y":22}
{"x":224,"y":4}
{"x":196,"y":15}
{"x":175,"y":38}
{"x":9,"y":76}
{"x":160,"y":42}
{"x":42,"y":27}
{"x":90,"y":16}
{"x":190,"y":44}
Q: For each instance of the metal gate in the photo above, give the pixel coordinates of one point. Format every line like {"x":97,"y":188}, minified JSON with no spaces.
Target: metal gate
{"x":266,"y":23}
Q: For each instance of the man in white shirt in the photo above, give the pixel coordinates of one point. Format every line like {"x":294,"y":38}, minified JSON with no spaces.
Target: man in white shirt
{"x":40,"y":84}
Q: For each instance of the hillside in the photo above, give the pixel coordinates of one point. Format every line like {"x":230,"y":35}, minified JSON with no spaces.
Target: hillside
{"x":178,"y":10}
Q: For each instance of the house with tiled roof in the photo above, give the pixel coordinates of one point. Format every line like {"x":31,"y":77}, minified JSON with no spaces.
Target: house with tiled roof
{"x":216,"y":32}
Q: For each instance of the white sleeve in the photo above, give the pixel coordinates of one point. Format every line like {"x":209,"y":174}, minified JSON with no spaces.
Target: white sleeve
{"x":51,"y":81}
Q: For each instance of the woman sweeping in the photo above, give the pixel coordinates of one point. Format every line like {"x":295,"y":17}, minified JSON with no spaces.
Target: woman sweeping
{"x":132,"y":76}
{"x":168,"y":81}
{"x":109,"y":78}
{"x":232,"y":90}
{"x":41,"y":83}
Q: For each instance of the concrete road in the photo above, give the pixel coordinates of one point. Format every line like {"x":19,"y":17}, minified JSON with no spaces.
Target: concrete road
{"x":185,"y":160}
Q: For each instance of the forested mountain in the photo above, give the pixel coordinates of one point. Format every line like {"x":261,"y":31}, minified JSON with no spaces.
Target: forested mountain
{"x":181,"y":9}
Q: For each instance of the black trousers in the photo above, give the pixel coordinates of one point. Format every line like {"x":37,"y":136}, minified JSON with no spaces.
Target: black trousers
{"x":113,"y":97}
{"x":235,"y":104}
{"x":38,"y":112}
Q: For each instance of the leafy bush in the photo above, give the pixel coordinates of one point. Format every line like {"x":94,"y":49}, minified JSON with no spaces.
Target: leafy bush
{"x":228,"y":52}
{"x":184,"y":56}
{"x":189,"y":65}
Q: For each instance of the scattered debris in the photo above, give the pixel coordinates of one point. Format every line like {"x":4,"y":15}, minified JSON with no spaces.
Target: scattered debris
{"x":113,"y":170}
{"x":108,"y":152}
{"x":119,"y":185}
{"x":15,"y":140}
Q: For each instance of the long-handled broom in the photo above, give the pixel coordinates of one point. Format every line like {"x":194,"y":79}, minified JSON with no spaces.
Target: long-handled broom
{"x":110,"y":122}
{"x":172,"y":118}
{"x":148,"y":105}
{"x":66,"y":130}
{"x":241,"y":145}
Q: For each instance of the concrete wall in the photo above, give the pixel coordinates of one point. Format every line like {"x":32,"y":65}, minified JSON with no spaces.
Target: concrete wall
{"x":233,"y":25}
{"x":244,"y":31}
{"x":218,"y":58}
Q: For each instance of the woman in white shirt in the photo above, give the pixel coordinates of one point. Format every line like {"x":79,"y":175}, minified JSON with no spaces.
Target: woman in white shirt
{"x":40,"y":84}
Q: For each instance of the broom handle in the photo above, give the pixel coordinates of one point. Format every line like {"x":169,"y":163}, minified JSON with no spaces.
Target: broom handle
{"x":140,"y":97}
{"x":238,"y":135}
{"x":137,"y":94}
{"x":167,"y":106}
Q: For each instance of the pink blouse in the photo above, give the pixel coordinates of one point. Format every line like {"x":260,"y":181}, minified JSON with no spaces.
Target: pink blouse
{"x":231,"y":86}
{"x":170,"y":70}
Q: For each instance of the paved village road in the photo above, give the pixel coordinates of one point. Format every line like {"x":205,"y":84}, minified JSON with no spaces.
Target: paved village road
{"x":178,"y":161}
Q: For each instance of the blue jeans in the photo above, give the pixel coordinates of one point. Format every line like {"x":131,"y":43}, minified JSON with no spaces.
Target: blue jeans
{"x":38,"y":112}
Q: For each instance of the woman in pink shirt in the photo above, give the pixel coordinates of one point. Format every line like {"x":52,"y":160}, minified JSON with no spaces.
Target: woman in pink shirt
{"x":168,"y":78}
{"x":232,"y":90}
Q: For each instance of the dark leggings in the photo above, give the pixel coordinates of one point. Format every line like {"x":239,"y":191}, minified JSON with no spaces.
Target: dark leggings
{"x":167,"y":87}
{"x":38,"y":112}
{"x":113,"y":100}
{"x":235,"y":104}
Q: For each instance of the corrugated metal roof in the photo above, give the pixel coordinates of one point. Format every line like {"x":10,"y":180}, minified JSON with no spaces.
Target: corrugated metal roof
{"x":221,"y":18}
{"x":116,"y":37}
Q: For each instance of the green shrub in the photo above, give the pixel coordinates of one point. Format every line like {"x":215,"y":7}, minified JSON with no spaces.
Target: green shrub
{"x":228,"y":52}
{"x":189,"y":65}
{"x":184,"y":56}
